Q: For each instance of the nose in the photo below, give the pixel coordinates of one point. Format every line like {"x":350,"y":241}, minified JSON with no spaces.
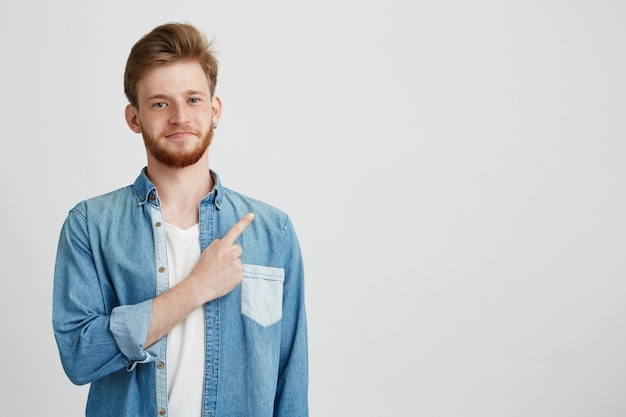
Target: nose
{"x":178,"y":114}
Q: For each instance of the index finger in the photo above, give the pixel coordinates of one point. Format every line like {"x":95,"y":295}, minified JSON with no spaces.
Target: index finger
{"x":238,"y":229}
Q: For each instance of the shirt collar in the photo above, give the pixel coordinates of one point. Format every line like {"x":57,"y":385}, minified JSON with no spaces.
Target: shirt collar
{"x":145,"y":191}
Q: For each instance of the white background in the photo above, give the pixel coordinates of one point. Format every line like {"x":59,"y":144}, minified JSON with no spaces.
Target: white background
{"x":455,"y":171}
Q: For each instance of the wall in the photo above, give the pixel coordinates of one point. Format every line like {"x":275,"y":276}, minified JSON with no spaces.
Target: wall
{"x":455,"y":171}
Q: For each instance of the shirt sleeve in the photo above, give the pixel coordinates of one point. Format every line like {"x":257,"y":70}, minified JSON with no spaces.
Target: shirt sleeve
{"x":129,"y":326}
{"x":292,"y":386}
{"x":94,"y":339}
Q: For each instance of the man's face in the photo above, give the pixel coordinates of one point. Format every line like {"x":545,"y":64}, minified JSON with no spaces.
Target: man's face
{"x":176,"y":114}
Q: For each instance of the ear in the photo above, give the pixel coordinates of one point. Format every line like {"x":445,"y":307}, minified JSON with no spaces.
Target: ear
{"x":132,"y":118}
{"x":216,"y":105}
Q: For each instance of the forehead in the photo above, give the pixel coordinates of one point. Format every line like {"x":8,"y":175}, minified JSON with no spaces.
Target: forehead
{"x":173,"y":79}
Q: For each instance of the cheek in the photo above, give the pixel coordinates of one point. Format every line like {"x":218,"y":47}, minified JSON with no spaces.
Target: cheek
{"x":151,"y":124}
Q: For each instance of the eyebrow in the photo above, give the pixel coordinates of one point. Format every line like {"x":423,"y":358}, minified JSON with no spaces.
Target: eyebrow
{"x":188,"y":92}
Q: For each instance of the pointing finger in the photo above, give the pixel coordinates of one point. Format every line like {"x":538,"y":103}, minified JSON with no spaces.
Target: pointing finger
{"x":238,"y":229}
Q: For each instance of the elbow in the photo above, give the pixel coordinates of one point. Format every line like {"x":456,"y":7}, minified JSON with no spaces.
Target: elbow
{"x":77,"y":374}
{"x":81,"y":368}
{"x":85,"y":366}
{"x":74,"y":361}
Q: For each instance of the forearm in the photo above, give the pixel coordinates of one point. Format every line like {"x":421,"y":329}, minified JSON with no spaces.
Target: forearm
{"x":172,"y":307}
{"x":218,"y":271}
{"x":94,"y":344}
{"x":95,"y":335}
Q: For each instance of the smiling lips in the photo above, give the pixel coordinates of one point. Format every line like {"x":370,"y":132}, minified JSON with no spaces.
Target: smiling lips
{"x":180,"y":134}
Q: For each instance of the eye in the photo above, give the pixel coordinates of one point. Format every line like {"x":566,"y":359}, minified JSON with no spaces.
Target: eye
{"x":194,"y":100}
{"x":159,"y":105}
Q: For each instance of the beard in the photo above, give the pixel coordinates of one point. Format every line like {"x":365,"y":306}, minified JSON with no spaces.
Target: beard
{"x":177,"y":158}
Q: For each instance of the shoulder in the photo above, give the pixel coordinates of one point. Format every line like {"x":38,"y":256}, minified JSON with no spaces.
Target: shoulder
{"x":264,"y":212}
{"x":113,"y":200}
{"x":269,"y":240}
{"x":238,"y":199}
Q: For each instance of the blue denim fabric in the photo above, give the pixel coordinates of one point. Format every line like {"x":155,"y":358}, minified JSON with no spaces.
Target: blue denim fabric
{"x":111,"y":262}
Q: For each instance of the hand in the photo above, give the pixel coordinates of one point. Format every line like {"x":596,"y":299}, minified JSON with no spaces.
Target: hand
{"x":219,"y":269}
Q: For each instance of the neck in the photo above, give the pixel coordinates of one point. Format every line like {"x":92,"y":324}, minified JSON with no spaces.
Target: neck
{"x":181,"y":190}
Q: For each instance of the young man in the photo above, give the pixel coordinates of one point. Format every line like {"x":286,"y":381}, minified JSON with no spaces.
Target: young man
{"x":176,"y":296}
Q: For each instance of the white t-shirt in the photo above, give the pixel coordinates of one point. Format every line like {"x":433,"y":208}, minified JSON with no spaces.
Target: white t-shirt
{"x":185,"y":342}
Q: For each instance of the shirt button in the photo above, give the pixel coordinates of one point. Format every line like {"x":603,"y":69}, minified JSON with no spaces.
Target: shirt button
{"x":152,"y":197}
{"x":158,"y":224}
{"x":161,"y":412}
{"x":161,"y":269}
{"x":160,"y":365}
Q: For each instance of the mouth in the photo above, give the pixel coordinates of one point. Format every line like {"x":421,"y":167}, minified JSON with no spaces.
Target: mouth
{"x":180,"y":134}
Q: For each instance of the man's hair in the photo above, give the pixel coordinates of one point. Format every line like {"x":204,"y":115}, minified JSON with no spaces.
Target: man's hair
{"x":167,"y":44}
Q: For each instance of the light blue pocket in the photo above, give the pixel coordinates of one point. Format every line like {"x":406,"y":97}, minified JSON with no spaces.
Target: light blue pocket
{"x":262,"y":294}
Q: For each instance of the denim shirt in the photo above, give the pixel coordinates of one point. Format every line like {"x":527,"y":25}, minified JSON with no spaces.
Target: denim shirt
{"x":111,"y":262}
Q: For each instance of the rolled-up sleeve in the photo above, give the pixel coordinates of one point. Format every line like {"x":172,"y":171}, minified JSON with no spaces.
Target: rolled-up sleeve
{"x":94,"y":339}
{"x":129,"y":326}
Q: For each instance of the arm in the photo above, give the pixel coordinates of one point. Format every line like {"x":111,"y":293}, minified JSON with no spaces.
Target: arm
{"x":292,"y":387}
{"x":218,"y":271}
{"x":81,"y":313}
{"x":95,"y":339}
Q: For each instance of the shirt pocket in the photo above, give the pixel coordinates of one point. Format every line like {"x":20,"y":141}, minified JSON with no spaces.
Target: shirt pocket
{"x":262,"y":294}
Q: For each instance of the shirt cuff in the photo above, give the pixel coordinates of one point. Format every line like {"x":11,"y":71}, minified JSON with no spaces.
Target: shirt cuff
{"x":129,"y":325}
